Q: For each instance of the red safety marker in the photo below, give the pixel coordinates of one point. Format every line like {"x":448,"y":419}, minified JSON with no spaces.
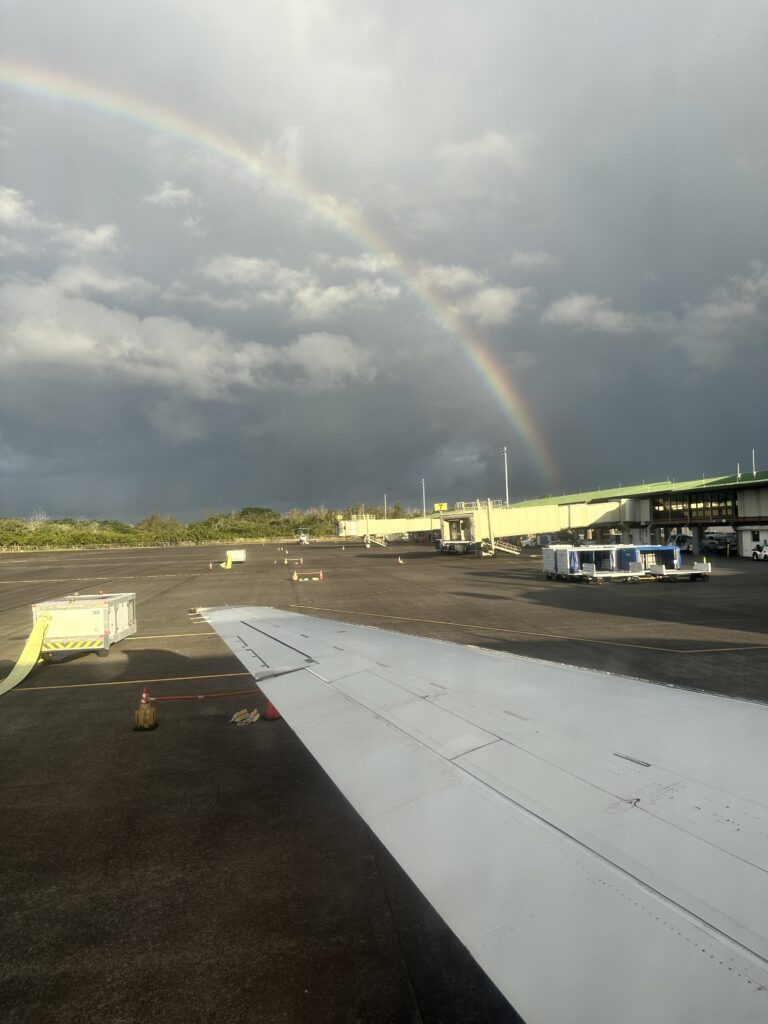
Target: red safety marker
{"x":145,"y":696}
{"x":271,"y":713}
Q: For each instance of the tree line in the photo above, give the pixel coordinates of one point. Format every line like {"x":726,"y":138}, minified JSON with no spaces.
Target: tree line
{"x":40,"y":531}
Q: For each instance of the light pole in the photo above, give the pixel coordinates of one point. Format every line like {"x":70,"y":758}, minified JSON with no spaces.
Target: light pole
{"x":385,"y":506}
{"x":423,"y":497}
{"x":506,"y":476}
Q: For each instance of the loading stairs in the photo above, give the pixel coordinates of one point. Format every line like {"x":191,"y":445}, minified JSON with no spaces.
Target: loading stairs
{"x":502,"y":545}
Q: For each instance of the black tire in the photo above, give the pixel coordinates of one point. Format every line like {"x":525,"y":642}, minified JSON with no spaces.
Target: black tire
{"x":102,"y":653}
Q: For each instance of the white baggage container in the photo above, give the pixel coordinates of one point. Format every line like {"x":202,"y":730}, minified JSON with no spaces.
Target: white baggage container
{"x":86,"y":622}
{"x":237,"y":555}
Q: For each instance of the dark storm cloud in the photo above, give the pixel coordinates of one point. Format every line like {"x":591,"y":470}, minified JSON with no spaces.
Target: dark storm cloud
{"x":582,"y":184}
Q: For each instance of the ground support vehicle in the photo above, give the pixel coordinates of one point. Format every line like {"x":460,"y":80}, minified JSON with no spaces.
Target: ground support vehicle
{"x":623,"y":562}
{"x":457,"y":547}
{"x":86,"y":622}
{"x":700,"y":571}
{"x":587,"y":564}
{"x":684,"y":541}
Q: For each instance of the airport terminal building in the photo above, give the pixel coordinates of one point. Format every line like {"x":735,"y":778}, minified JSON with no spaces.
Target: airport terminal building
{"x":647,"y":513}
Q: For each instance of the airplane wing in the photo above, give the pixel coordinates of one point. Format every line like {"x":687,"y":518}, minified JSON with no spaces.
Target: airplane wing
{"x":598,"y":843}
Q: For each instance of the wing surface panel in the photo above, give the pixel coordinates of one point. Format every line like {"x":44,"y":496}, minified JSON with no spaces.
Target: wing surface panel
{"x":441,"y":731}
{"x":716,"y":813}
{"x":580,"y":904}
{"x":711,"y":883}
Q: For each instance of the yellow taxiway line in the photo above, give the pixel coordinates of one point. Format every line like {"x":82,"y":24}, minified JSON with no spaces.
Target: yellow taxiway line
{"x":169,"y":636}
{"x":134,"y":682}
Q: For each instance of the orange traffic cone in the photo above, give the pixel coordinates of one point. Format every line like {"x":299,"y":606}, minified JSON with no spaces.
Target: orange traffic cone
{"x":210,"y":567}
{"x":295,"y":576}
{"x":144,"y":718}
{"x":271,"y":713}
{"x":321,"y":577}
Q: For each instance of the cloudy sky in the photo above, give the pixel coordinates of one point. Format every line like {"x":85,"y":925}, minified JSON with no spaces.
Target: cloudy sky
{"x":311,"y":252}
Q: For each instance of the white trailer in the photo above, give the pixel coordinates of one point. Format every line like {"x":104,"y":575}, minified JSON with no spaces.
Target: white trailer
{"x":700,"y":571}
{"x":86,"y":622}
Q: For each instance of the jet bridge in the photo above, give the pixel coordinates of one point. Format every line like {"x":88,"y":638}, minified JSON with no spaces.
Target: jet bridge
{"x":457,"y":533}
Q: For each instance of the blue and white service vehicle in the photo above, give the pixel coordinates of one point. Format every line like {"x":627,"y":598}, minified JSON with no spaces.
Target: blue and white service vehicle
{"x":627,"y":562}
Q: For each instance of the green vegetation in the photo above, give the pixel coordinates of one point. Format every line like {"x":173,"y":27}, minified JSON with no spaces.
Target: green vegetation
{"x":253,"y":523}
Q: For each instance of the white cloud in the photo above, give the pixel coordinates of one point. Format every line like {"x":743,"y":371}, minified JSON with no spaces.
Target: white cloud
{"x":251,"y":281}
{"x":326,"y":361}
{"x":79,"y":279}
{"x":711,"y":330}
{"x":536,"y":259}
{"x":495,"y":305}
{"x":314,"y":302}
{"x":482,"y":169}
{"x":42,"y":326}
{"x":249,"y":270}
{"x":194,"y":226}
{"x":15,"y":209}
{"x":451,"y":279}
{"x":168,"y":194}
{"x":472,"y":295}
{"x":16,"y":213}
{"x":588,"y":312}
{"x":78,"y":240}
{"x":490,"y":149}
{"x":367,"y":263}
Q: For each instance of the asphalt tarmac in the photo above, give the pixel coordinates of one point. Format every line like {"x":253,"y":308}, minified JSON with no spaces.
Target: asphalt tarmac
{"x":206,"y":872}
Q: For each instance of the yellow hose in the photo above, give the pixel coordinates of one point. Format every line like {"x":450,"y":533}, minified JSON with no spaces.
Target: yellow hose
{"x":29,"y":656}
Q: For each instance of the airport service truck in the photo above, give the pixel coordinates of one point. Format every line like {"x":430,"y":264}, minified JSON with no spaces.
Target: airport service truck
{"x":682,"y":540}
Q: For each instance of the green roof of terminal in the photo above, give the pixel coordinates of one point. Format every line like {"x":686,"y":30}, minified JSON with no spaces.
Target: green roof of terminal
{"x":644,"y":490}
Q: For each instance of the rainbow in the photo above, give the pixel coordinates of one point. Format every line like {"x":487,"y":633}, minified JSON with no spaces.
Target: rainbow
{"x":344,"y":218}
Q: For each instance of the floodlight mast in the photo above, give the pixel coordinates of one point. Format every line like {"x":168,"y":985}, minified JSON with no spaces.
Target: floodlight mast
{"x":506,"y":477}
